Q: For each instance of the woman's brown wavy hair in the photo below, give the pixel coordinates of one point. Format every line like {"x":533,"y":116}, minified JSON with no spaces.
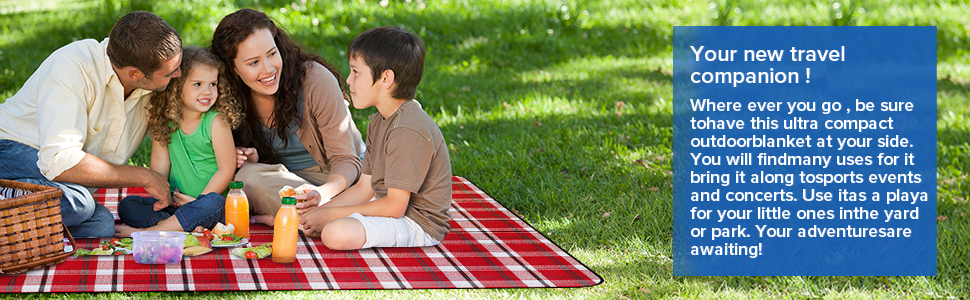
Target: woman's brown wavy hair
{"x":232,"y":31}
{"x":165,"y":108}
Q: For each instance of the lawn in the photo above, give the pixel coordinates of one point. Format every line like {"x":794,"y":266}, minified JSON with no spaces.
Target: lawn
{"x":561,"y":110}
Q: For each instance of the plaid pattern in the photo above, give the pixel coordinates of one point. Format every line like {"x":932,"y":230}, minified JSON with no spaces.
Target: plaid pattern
{"x":488,"y":247}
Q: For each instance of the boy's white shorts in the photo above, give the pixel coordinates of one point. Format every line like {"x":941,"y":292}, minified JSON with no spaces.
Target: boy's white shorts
{"x":393,"y":232}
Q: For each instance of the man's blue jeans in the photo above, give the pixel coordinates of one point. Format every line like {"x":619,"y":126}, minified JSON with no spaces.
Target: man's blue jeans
{"x":206,"y":211}
{"x":80,"y":213}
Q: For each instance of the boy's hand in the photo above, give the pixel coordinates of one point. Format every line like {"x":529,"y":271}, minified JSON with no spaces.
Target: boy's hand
{"x":314,"y":220}
{"x":245,"y":156}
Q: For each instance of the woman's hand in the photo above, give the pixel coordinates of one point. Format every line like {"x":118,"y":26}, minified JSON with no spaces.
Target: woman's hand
{"x":310,"y":199}
{"x":245,"y":156}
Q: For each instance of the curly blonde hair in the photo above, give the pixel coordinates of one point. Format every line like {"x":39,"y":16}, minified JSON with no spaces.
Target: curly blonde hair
{"x":165,"y":107}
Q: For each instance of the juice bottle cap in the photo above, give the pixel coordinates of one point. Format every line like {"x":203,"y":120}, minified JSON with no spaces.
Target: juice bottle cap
{"x":236,"y":185}
{"x":289,"y":201}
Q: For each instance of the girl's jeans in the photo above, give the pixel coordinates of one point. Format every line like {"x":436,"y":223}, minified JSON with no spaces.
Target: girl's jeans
{"x":206,"y":211}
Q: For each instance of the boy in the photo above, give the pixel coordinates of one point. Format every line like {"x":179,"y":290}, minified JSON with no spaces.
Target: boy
{"x":406,"y":164}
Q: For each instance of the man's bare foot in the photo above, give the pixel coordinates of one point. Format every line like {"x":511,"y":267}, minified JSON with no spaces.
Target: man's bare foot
{"x":267,"y":220}
{"x":125,"y":230}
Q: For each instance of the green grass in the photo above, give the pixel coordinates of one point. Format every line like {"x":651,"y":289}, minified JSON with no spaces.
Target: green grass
{"x":561,"y":110}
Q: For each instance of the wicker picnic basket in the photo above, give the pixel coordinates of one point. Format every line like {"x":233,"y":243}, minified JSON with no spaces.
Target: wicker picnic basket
{"x":31,"y":230}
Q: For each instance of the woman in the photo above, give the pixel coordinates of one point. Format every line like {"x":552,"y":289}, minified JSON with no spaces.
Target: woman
{"x":298,"y":130}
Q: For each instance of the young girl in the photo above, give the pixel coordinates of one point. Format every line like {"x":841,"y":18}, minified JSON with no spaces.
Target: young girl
{"x":190,"y":124}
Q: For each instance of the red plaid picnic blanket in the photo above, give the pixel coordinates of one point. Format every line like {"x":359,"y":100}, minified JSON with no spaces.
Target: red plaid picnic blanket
{"x":488,"y":247}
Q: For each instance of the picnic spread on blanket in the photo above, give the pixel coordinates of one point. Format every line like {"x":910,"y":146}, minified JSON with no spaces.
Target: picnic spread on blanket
{"x":488,"y":247}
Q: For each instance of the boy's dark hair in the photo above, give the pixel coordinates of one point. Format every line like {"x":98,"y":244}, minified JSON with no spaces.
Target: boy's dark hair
{"x":142,"y":40}
{"x":392,"y":48}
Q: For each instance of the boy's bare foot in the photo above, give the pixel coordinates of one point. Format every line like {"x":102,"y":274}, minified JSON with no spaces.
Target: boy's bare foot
{"x":267,"y":220}
{"x":304,"y":232}
{"x":125,"y":230}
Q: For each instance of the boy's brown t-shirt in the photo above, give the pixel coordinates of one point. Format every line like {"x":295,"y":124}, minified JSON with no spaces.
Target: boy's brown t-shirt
{"x":407,"y":151}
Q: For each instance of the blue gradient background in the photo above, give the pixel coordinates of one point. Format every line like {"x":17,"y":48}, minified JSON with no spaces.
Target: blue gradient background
{"x":881,"y":64}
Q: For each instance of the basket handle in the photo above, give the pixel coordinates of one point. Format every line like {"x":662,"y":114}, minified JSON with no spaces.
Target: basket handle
{"x":71,"y":239}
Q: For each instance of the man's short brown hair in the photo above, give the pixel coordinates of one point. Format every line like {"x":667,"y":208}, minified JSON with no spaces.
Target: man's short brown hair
{"x":142,"y":40}
{"x":392,"y":48}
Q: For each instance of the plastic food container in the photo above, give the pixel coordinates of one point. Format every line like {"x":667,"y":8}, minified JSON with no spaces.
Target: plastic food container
{"x":157,"y":247}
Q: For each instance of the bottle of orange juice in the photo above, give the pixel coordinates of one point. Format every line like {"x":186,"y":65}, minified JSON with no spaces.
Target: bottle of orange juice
{"x":237,"y":209}
{"x":284,"y":232}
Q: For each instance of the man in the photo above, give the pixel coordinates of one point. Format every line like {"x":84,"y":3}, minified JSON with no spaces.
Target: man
{"x":80,"y":116}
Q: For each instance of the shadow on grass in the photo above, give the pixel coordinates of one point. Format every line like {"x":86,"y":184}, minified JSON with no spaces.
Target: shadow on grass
{"x":486,"y":50}
{"x":41,"y":37}
{"x":950,"y":86}
{"x":24,"y":54}
{"x":953,"y":149}
{"x":953,"y":143}
{"x":813,"y":287}
{"x":953,"y":163}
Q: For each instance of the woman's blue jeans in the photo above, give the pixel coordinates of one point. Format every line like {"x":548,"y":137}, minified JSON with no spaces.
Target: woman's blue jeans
{"x":206,"y":211}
